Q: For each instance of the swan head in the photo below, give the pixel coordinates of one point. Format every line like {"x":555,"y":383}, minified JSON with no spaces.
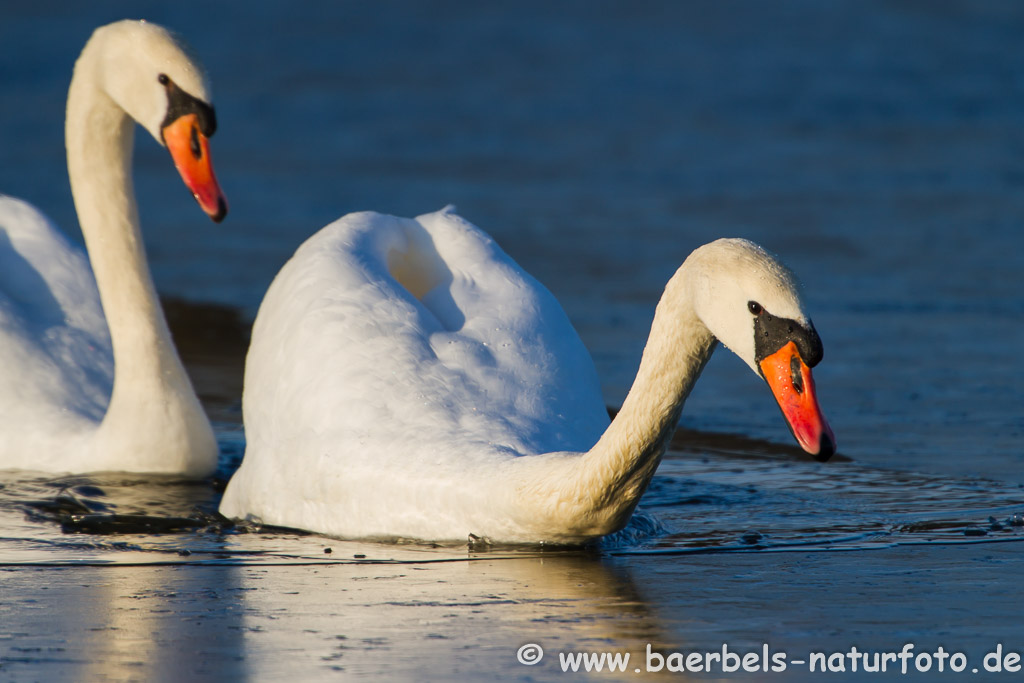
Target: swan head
{"x":751,"y":303}
{"x":153,"y":76}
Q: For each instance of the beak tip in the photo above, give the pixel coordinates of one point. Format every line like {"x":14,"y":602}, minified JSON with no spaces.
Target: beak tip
{"x":222,"y":211}
{"x":826,"y":447}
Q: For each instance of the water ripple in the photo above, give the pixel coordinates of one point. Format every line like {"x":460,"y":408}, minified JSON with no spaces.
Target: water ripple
{"x":713,"y":494}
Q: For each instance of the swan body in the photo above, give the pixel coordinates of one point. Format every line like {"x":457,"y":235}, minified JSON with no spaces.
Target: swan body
{"x":407,"y":379}
{"x":90,"y":379}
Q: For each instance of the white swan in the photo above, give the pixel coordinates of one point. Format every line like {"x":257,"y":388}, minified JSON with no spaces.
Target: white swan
{"x":79,"y":391}
{"x":407,"y":379}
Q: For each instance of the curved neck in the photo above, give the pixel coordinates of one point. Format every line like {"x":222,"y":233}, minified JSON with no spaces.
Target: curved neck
{"x":99,"y":139}
{"x":617,"y":470}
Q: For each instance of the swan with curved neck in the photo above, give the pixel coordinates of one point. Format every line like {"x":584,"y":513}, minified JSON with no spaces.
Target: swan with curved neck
{"x":79,"y":390}
{"x":407,"y":379}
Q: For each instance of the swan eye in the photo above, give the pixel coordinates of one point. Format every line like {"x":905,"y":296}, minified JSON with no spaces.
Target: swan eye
{"x":755,"y":307}
{"x":164,"y":80}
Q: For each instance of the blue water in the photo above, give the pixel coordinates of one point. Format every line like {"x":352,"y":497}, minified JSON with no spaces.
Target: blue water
{"x":876,"y":151}
{"x":877,"y":147}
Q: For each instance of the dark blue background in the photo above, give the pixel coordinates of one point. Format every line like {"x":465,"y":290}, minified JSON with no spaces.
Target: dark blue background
{"x":876,"y":146}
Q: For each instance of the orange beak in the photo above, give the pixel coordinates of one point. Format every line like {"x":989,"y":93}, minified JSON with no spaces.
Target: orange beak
{"x":190,"y":150}
{"x":790,"y":381}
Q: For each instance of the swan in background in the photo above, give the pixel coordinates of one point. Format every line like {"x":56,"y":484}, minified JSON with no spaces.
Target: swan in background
{"x":406,"y":378}
{"x":81,"y":392}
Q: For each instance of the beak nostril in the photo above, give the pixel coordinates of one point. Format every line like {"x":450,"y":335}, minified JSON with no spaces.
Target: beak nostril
{"x":197,"y":150}
{"x":796,"y":374}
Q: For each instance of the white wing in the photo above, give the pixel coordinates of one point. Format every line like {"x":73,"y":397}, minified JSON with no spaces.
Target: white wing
{"x":56,"y":365}
{"x":389,"y":353}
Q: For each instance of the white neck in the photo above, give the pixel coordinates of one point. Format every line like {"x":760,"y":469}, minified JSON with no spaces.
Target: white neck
{"x":154,"y":418}
{"x":597,"y":492}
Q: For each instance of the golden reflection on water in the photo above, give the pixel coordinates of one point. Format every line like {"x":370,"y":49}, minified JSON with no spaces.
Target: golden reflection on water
{"x":454,"y":617}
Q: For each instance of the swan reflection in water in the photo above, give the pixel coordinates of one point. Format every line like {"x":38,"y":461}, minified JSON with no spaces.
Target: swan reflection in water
{"x":396,"y":611}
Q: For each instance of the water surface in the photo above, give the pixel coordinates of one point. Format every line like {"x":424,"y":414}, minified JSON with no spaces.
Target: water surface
{"x":876,"y":147}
